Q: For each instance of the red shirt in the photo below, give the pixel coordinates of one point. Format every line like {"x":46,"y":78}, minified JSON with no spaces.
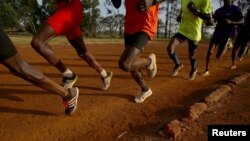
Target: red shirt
{"x":136,"y":21}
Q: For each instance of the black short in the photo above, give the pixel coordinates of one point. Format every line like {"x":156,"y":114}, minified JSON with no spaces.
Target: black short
{"x":7,"y":49}
{"x":220,"y":40}
{"x":181,"y":38}
{"x":137,"y":40}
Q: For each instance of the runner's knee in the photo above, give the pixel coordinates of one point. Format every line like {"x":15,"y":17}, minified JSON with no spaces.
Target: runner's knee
{"x":170,"y":50}
{"x":86,"y":56}
{"x":82,"y":55}
{"x":218,"y":56}
{"x":36,"y":43}
{"x":125,"y":66}
{"x":80,"y":51}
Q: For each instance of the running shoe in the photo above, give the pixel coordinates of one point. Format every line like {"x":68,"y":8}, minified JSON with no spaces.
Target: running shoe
{"x":192,"y":75}
{"x":70,"y":102}
{"x":68,"y":82}
{"x":177,"y":68}
{"x":143,"y":96}
{"x":205,"y":73}
{"x":152,"y":68}
{"x":233,"y":67}
{"x":106,"y":81}
{"x":241,"y":58}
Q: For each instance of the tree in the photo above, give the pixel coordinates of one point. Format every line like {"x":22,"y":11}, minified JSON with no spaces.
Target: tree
{"x":20,"y":14}
{"x":8,"y":16}
{"x":111,"y":24}
{"x":114,"y":22}
{"x":25,"y":12}
{"x":172,"y":10}
{"x":160,"y":28}
{"x":244,"y":5}
{"x":91,"y":14}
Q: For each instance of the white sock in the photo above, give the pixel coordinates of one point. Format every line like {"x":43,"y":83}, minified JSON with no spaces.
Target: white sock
{"x":67,"y":73}
{"x":103,"y":73}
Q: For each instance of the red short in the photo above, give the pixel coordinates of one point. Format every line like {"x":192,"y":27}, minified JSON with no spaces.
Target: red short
{"x":67,"y":18}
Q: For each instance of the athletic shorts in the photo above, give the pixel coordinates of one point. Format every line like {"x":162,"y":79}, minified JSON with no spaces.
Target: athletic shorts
{"x":181,"y":38}
{"x":67,"y":18}
{"x":7,"y":49}
{"x":137,"y":40}
{"x":220,"y":40}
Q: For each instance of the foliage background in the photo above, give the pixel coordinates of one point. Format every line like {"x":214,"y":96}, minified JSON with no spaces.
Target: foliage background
{"x":28,"y":15}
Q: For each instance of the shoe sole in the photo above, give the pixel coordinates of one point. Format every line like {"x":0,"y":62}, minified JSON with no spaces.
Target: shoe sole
{"x":71,"y":84}
{"x":140,"y":101}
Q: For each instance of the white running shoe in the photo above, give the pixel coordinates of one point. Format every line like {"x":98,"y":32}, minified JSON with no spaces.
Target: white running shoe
{"x":152,"y":68}
{"x":192,"y":74}
{"x":206,"y":73}
{"x":241,"y":58}
{"x":233,"y":67}
{"x":177,"y":68}
{"x":70,"y":102}
{"x":143,"y":96}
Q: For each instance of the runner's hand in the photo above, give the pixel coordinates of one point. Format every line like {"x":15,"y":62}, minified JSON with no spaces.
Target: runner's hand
{"x":210,"y":22}
{"x":191,"y":7}
{"x":178,"y":19}
{"x":143,"y":5}
{"x":229,"y":21}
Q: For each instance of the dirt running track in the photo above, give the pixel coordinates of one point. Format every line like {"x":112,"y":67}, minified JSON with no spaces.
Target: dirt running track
{"x":28,"y":113}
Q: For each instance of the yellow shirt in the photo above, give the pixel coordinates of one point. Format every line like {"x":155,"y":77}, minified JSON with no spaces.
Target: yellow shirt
{"x":191,"y":24}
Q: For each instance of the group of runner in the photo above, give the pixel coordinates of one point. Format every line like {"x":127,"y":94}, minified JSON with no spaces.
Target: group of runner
{"x":141,"y":21}
{"x":231,"y":30}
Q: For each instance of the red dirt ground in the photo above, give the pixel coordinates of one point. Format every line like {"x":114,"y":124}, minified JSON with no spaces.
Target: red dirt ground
{"x":29,"y":113}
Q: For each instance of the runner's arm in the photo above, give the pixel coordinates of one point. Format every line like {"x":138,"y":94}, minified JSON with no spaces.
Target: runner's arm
{"x":199,"y":13}
{"x":145,"y":4}
{"x":235,"y":22}
{"x":179,"y":17}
